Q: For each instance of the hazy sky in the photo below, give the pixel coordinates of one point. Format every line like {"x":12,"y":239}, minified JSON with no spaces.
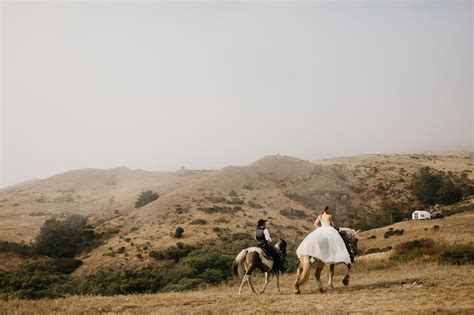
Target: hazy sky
{"x":160,"y":85}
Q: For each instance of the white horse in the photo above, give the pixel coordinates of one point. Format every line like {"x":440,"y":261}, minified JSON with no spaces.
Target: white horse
{"x":304,"y":267}
{"x":252,"y":258}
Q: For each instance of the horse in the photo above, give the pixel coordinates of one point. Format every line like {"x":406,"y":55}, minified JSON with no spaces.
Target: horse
{"x":254,"y":257}
{"x":304,"y":267}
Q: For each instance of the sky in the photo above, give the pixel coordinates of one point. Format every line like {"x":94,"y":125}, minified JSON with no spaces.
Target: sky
{"x":160,"y":85}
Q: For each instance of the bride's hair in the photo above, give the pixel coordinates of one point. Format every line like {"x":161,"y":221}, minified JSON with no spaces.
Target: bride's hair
{"x":326,"y":210}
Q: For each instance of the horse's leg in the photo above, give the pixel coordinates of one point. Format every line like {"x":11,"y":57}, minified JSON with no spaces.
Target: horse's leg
{"x":345,"y":280}
{"x":317,"y":274}
{"x":265,"y":284}
{"x":243,"y":280}
{"x":278,"y":281}
{"x":250,"y":283}
{"x":302,"y":273}
{"x":331,"y":276}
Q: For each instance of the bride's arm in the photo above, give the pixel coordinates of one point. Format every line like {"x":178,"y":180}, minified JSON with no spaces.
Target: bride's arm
{"x":318,"y":221}
{"x":332,"y":222}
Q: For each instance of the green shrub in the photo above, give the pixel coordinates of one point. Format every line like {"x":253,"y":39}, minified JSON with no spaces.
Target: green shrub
{"x":172,"y":253}
{"x":458,"y":255}
{"x":216,"y":209}
{"x":17,"y":248}
{"x":415,"y":248}
{"x":392,"y":232}
{"x":178,"y":233}
{"x":41,"y":279}
{"x":145,"y":198}
{"x":53,"y":266}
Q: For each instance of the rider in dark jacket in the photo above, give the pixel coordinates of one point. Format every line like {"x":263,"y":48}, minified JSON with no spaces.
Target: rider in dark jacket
{"x":264,"y":241}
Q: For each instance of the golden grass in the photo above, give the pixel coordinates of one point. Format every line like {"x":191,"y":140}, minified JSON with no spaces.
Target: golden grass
{"x":458,"y":228}
{"x":443,"y":289}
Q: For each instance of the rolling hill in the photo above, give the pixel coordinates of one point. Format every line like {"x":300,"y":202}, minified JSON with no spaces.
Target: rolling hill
{"x":218,"y":205}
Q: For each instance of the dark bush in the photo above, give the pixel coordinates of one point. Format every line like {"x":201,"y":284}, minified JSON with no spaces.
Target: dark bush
{"x":413,"y":249}
{"x":172,"y":253}
{"x":56,"y":266}
{"x":178,"y":233}
{"x":217,"y":209}
{"x":449,"y":193}
{"x":458,"y":255}
{"x":145,"y":198}
{"x":392,"y":232}
{"x":64,"y":238}
{"x":17,"y":248}
{"x":431,"y":187}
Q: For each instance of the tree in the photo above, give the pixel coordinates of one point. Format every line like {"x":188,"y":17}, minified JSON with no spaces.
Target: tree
{"x":449,"y":193}
{"x":426,"y":185}
{"x":145,"y":198}
{"x":178,"y":233}
{"x":64,"y":238}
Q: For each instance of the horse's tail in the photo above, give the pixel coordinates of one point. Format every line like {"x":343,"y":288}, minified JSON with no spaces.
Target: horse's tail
{"x":238,"y":261}
{"x":303,"y":272}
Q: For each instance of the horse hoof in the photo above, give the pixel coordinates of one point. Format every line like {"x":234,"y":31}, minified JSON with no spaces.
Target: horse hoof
{"x":322,"y":290}
{"x":297,"y":292}
{"x":345,"y":282}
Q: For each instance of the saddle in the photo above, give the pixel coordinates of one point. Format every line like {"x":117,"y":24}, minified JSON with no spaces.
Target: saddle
{"x":265,"y":254}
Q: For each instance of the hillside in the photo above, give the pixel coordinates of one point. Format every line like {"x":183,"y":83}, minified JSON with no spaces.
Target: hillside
{"x":220,"y":205}
{"x":377,"y":285}
{"x":100,"y":194}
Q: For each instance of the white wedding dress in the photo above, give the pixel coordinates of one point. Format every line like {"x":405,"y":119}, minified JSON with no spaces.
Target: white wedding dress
{"x":326,"y":244}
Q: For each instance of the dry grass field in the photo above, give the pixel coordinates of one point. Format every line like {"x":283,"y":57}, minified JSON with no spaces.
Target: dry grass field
{"x":410,"y":288}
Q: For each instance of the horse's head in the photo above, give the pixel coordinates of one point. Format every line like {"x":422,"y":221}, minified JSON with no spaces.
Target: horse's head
{"x":281,"y":245}
{"x":354,"y":235}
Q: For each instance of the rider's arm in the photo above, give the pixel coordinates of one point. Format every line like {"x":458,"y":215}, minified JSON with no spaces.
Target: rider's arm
{"x":332,"y":222}
{"x":318,"y":220}
{"x":267,"y":235}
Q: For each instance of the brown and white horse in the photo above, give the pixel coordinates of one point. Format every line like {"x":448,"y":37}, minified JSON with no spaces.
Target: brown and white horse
{"x":252,"y":258}
{"x":304,"y":267}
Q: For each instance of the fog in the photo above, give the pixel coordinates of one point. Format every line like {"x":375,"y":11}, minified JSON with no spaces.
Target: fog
{"x":157,"y":86}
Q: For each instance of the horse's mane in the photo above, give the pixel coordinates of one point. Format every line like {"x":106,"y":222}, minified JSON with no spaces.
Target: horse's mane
{"x":352,"y":233}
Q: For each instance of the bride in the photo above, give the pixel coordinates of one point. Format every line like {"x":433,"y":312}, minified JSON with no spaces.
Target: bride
{"x":324,"y":242}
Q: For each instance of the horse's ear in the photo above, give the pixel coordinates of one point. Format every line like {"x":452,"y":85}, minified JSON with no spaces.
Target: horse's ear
{"x":357,"y":231}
